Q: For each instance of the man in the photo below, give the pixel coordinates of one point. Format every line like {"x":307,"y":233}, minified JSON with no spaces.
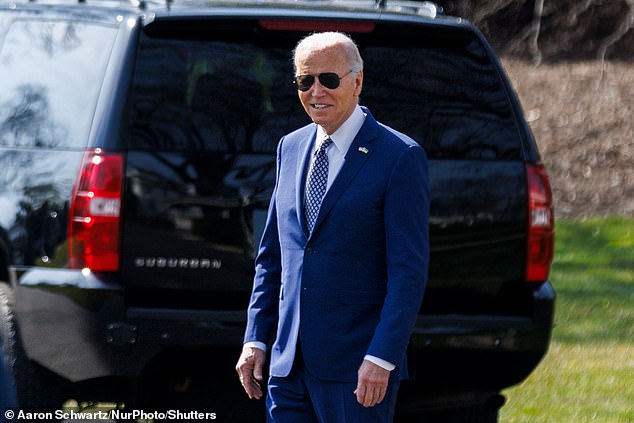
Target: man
{"x":343,"y":260}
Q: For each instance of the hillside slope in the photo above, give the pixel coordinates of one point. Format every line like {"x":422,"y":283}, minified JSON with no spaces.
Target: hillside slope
{"x":582,"y":115}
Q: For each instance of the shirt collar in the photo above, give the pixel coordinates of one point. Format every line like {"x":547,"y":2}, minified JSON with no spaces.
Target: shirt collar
{"x":342,"y":138}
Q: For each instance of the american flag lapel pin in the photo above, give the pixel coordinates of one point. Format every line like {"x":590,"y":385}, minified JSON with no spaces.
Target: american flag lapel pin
{"x":363,"y":150}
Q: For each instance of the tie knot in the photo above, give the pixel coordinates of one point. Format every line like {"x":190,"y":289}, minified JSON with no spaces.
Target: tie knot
{"x":324,"y":145}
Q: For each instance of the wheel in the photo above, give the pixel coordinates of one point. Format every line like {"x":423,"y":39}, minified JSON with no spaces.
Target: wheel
{"x":37,"y":388}
{"x":8,"y":396}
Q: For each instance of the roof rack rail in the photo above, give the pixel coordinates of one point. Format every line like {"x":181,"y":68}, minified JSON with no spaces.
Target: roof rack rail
{"x":141,"y":4}
{"x":428,"y":9}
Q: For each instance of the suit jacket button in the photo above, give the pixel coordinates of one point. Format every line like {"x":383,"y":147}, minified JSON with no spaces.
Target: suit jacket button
{"x":309,"y":250}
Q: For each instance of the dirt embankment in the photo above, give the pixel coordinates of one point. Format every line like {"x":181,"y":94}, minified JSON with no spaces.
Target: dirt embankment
{"x":582,"y":115}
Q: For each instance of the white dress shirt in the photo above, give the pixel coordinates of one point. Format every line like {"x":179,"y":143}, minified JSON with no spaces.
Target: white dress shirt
{"x":342,"y":139}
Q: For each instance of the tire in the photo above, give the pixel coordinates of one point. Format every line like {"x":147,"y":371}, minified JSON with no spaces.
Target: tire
{"x":8,"y":396}
{"x":37,"y":388}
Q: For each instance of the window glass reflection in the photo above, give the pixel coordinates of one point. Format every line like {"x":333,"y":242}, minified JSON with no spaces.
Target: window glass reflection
{"x":451,"y":101}
{"x":214,"y":96}
{"x":51,"y":76}
{"x":237,"y":96}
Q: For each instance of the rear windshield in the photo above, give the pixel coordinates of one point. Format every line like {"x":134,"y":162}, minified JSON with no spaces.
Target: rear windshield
{"x":232,"y":91}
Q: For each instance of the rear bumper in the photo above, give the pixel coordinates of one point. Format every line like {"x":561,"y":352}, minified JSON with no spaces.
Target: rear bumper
{"x":453,"y":355}
{"x":79,"y":327}
{"x":485,"y":332}
{"x":84,"y":330}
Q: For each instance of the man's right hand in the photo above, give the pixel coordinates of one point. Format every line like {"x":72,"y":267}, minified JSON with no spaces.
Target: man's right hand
{"x":249,"y":370}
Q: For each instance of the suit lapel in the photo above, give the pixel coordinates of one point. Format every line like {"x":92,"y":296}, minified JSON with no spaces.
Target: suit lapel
{"x":358,"y":154}
{"x":303,"y":161}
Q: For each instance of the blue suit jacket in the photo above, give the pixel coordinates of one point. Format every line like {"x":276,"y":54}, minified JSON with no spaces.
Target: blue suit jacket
{"x":354,"y":286}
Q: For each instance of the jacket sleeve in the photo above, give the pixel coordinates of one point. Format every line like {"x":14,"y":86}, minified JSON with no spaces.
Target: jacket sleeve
{"x":262,"y":313}
{"x":406,"y":217}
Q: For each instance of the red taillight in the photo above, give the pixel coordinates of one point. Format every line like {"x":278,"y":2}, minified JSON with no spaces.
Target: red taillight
{"x":541,"y":225}
{"x":94,"y":226}
{"x":316,"y":25}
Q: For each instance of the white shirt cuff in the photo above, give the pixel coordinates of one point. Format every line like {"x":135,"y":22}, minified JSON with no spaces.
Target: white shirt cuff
{"x":376,"y":360}
{"x":380,"y":362}
{"x":255,"y":344}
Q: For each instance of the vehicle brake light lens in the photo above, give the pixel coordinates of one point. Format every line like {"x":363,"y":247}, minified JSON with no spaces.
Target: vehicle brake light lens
{"x":95,"y":212}
{"x":541,"y":225}
{"x":317,"y":25}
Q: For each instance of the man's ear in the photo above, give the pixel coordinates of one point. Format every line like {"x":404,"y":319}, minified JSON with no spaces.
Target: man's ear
{"x":358,"y":83}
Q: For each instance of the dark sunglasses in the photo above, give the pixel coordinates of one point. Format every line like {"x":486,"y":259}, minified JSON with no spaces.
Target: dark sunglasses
{"x":329,"y":80}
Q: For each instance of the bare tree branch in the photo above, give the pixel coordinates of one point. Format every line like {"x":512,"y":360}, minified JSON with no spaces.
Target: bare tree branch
{"x":626,"y":25}
{"x":561,"y":29}
{"x":518,"y":42}
{"x":482,"y":12}
{"x":578,"y":9}
{"x":535,"y":29}
{"x":624,"y":28}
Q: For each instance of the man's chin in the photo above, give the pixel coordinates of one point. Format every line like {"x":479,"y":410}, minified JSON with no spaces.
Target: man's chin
{"x":321,"y":120}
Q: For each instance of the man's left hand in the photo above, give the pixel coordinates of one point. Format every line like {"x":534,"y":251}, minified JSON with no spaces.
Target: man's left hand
{"x":372,"y":384}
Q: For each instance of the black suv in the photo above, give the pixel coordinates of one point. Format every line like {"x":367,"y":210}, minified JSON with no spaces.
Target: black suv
{"x":137,"y":158}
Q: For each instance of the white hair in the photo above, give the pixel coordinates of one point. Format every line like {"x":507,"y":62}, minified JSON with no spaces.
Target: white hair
{"x":322,"y":40}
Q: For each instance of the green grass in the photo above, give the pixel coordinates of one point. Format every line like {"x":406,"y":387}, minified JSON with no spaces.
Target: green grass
{"x":588,"y":374}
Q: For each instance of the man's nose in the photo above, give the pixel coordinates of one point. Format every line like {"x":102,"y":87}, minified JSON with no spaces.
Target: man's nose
{"x":318,"y":89}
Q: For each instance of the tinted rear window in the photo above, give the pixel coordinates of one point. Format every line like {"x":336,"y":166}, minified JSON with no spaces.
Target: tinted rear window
{"x":232,"y":91}
{"x":51,"y":77}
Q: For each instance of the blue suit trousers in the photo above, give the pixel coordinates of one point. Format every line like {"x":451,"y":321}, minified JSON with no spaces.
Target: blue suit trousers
{"x":302,"y":397}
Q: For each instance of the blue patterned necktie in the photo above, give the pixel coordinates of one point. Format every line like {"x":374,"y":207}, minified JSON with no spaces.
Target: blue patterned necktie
{"x":317,"y":183}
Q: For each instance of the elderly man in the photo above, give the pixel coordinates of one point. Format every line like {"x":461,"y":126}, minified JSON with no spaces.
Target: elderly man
{"x":342,"y":264}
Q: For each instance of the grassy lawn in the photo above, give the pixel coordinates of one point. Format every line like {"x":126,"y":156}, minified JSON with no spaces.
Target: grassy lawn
{"x":588,"y":374}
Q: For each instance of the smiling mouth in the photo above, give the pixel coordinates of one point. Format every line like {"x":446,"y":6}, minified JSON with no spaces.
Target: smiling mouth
{"x":320,"y":106}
